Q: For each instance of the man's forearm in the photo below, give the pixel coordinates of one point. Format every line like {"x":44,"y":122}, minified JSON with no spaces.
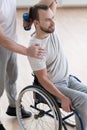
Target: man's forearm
{"x":49,"y":86}
{"x":51,"y":3}
{"x":47,"y":2}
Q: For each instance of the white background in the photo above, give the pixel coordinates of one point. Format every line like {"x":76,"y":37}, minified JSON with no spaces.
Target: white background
{"x":73,"y":2}
{"x":27,"y":3}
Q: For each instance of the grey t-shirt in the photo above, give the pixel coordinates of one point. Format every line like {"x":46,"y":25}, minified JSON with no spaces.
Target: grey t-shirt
{"x":54,"y":60}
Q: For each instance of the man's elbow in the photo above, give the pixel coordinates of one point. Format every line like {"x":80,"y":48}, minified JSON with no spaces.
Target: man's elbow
{"x":47,"y":2}
{"x":42,"y":80}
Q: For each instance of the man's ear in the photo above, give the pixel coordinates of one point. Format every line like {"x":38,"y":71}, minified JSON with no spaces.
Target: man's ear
{"x":36,"y":22}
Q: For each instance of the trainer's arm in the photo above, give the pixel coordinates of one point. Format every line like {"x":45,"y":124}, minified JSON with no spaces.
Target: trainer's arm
{"x":33,"y":51}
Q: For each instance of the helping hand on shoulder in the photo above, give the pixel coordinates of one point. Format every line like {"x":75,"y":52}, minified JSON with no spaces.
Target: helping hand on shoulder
{"x":36,"y":51}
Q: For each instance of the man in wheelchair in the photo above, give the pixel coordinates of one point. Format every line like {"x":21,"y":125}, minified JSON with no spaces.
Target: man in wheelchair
{"x":52,"y":71}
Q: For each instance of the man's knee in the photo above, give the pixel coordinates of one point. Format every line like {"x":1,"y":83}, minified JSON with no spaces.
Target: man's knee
{"x":81,"y":101}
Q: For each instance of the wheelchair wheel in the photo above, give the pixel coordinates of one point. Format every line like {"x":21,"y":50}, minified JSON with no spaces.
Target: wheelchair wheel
{"x":45,"y":116}
{"x":69,"y":121}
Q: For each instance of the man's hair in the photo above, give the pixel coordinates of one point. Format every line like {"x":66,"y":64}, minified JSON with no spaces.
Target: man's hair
{"x":33,"y":12}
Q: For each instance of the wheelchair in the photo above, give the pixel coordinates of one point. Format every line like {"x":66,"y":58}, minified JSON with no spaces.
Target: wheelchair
{"x":45,"y":109}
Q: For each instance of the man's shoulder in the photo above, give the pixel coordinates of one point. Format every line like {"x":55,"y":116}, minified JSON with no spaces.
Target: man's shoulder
{"x":34,"y":40}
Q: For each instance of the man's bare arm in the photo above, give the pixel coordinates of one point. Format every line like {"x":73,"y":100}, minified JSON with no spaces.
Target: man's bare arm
{"x":33,"y":51}
{"x":50,"y":87}
{"x":51,"y":3}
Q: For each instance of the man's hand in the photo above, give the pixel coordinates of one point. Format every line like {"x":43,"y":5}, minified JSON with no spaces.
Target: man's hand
{"x":36,"y":51}
{"x":66,"y":104}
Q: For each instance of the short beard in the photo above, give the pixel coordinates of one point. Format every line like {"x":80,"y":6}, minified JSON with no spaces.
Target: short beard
{"x":47,"y":30}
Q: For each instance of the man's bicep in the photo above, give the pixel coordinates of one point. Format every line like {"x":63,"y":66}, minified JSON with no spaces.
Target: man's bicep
{"x":41,"y":74}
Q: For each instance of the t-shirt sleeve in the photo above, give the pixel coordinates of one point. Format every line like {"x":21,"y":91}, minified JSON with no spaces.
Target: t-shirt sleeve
{"x":37,"y":64}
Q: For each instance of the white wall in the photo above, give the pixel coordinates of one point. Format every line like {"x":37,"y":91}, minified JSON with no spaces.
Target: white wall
{"x":27,"y":3}
{"x":73,"y":2}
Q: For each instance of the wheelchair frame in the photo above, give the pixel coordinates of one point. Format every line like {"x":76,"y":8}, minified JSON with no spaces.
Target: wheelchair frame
{"x":41,"y":96}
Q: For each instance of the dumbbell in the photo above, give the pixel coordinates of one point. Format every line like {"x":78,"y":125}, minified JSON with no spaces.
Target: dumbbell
{"x":26,"y":19}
